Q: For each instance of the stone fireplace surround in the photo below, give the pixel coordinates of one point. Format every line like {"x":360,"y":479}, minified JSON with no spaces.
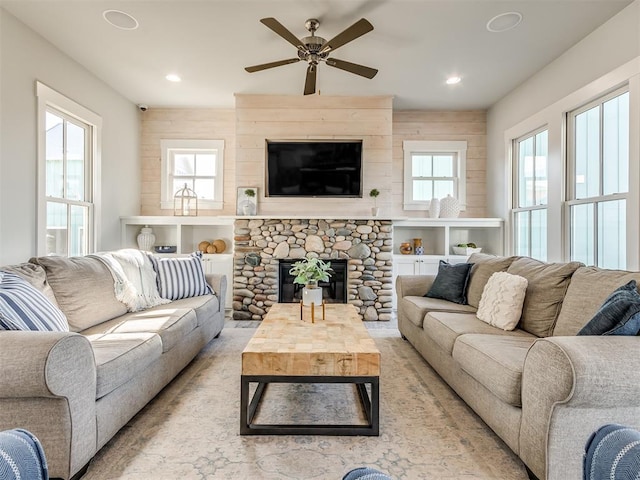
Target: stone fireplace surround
{"x":259,"y":244}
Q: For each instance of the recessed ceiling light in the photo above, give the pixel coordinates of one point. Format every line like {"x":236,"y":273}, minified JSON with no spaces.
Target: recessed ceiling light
{"x":120,"y":19}
{"x":453,"y":80}
{"x":504,"y":21}
{"x":172,"y":77}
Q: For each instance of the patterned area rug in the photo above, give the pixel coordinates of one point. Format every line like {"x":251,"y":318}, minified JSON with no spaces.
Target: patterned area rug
{"x":190,"y":430}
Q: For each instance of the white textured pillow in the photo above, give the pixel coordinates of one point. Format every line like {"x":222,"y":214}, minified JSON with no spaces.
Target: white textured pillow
{"x":502,"y":300}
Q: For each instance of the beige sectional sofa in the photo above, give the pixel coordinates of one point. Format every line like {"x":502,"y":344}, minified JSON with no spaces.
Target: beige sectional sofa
{"x":540,"y":387}
{"x":75,"y":390}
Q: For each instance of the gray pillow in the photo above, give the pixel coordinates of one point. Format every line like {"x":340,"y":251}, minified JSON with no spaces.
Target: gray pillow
{"x":618,"y":315}
{"x":451,"y":282}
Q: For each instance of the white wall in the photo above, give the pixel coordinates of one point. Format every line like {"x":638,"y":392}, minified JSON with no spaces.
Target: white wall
{"x":604,"y":59}
{"x":24,"y":58}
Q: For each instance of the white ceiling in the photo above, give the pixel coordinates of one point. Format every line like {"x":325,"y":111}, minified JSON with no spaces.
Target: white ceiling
{"x":415,"y":45}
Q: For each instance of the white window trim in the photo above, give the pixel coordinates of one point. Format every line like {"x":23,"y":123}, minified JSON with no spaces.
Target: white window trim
{"x":48,"y":97}
{"x":434,"y":146}
{"x":166,"y":196}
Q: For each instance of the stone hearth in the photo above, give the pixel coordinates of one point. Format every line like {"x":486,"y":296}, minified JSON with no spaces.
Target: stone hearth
{"x":259,"y":244}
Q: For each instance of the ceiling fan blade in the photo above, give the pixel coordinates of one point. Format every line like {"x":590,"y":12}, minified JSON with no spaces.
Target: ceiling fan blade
{"x":352,"y":67}
{"x":264,"y":66}
{"x":310,"y":82}
{"x":281,"y":30}
{"x":356,"y":30}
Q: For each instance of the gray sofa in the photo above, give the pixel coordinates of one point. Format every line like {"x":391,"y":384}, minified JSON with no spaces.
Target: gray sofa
{"x":541,"y":388}
{"x":75,"y":390}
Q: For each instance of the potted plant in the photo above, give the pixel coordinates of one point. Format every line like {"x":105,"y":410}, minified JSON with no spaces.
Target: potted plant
{"x":309,"y":272}
{"x":249,"y":193}
{"x":374,"y":194}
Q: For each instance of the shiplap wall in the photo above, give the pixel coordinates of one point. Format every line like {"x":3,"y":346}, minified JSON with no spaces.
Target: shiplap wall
{"x":260,"y":117}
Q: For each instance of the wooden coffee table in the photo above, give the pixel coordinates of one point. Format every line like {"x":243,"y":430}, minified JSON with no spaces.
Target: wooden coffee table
{"x":286,"y":349}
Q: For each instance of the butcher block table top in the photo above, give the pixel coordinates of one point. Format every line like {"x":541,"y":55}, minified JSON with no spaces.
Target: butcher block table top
{"x":340,"y":345}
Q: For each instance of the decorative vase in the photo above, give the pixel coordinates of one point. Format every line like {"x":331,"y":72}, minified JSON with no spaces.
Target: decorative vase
{"x":312,"y":294}
{"x":146,"y":238}
{"x":405,"y":248}
{"x":434,"y":208}
{"x":246,"y":209}
{"x":449,"y":207}
{"x":418,"y":249}
{"x":375,"y":211}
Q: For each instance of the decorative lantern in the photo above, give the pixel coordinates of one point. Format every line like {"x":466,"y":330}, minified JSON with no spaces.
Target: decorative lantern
{"x":185,"y":202}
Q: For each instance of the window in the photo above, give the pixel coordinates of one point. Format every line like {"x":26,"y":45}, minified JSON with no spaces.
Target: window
{"x":598,"y":152}
{"x":530,"y":186}
{"x":433,"y":169}
{"x":68,"y":142}
{"x":196,"y":163}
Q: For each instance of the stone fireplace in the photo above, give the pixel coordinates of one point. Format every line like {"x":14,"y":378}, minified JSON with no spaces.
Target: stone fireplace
{"x":261,"y":243}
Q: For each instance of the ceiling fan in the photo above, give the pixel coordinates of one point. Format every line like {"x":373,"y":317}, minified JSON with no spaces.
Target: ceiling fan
{"x":315,"y":49}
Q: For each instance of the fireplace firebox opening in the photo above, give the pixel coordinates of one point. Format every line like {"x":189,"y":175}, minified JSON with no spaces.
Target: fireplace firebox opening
{"x":333,"y":291}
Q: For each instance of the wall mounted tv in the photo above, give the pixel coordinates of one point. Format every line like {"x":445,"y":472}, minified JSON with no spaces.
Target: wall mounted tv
{"x":314,"y":168}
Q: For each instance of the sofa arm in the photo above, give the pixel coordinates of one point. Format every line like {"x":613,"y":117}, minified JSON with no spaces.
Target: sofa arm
{"x":413,"y":285}
{"x":571,"y":386}
{"x":219,"y":284}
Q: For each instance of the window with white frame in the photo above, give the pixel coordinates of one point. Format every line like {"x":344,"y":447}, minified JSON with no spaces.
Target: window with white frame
{"x":598,"y":181}
{"x":196,"y":163}
{"x":530,"y":187}
{"x":434,"y":169}
{"x":68,"y":162}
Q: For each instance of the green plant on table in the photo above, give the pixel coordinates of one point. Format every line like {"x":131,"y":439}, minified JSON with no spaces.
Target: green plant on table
{"x":311,"y":271}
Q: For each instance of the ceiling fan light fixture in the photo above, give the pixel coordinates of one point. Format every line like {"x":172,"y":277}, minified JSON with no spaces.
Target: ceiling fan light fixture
{"x":120,"y":19}
{"x":172,"y":77}
{"x":504,"y":21}
{"x":453,"y":80}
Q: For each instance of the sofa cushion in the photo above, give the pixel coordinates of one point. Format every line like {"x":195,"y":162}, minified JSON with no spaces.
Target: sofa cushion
{"x":121,"y":357}
{"x":172,"y":324}
{"x":588,"y":289}
{"x":484,"y":266}
{"x":180,"y":277}
{"x":205,"y":306}
{"x":618,"y":315}
{"x":35,"y":275}
{"x":415,"y":308}
{"x":495,"y":361}
{"x":84,"y":290}
{"x":502,"y":299}
{"x":23,"y":307}
{"x":547,"y":285}
{"x":444,"y":328}
{"x":451,"y":282}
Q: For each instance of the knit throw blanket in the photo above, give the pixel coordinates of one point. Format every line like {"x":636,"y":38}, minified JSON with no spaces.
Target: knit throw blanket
{"x":135,"y":282}
{"x":21,"y":456}
{"x":613,"y":453}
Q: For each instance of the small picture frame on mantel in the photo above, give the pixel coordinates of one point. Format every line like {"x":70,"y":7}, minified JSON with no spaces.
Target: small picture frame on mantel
{"x":247,"y":201}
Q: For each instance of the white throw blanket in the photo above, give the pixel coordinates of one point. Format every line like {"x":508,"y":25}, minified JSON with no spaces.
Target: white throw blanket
{"x":134,"y":278}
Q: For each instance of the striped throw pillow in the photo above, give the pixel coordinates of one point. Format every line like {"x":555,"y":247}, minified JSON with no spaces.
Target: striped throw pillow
{"x":23,"y":307}
{"x":180,"y":277}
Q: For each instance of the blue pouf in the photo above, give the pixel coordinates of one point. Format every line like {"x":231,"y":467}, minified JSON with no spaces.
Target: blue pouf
{"x":21,"y":456}
{"x":612,"y":452}
{"x":365,"y":473}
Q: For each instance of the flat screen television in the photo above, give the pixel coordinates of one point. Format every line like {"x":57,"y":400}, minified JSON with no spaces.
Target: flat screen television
{"x":314,"y":168}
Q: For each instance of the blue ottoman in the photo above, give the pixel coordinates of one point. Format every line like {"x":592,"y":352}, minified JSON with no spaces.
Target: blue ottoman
{"x":365,"y":473}
{"x":21,"y":456}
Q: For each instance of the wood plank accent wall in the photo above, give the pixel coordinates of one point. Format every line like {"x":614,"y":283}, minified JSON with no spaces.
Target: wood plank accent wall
{"x":443,"y":125}
{"x":288,"y":117}
{"x":260,"y":117}
{"x":190,"y":124}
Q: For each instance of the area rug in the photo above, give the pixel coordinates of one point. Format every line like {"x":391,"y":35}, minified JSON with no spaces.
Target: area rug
{"x":191,"y":429}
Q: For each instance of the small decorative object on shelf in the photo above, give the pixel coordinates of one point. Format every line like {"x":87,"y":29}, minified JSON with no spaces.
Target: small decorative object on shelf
{"x":146,"y":238}
{"x":418,"y":249}
{"x":217,"y":246}
{"x":185,"y":202}
{"x":247,"y":201}
{"x":374,"y":194}
{"x":466,"y":249}
{"x":308,"y":273}
{"x":449,"y":207}
{"x":165,"y":249}
{"x":434,"y":208}
{"x":405,"y":248}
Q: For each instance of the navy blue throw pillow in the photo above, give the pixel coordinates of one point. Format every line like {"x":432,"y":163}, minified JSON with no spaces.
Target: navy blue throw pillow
{"x":451,"y":282}
{"x":618,"y":315}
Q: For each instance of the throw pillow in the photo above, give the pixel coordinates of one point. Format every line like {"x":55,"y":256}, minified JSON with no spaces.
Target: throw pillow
{"x":618,"y":315}
{"x":484,"y":265}
{"x":23,"y":307}
{"x":180,"y":277}
{"x":451,"y":282}
{"x":502,"y":300}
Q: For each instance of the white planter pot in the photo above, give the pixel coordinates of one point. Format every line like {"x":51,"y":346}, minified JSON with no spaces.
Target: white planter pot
{"x":312,"y":295}
{"x":375,"y":211}
{"x":434,"y":208}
